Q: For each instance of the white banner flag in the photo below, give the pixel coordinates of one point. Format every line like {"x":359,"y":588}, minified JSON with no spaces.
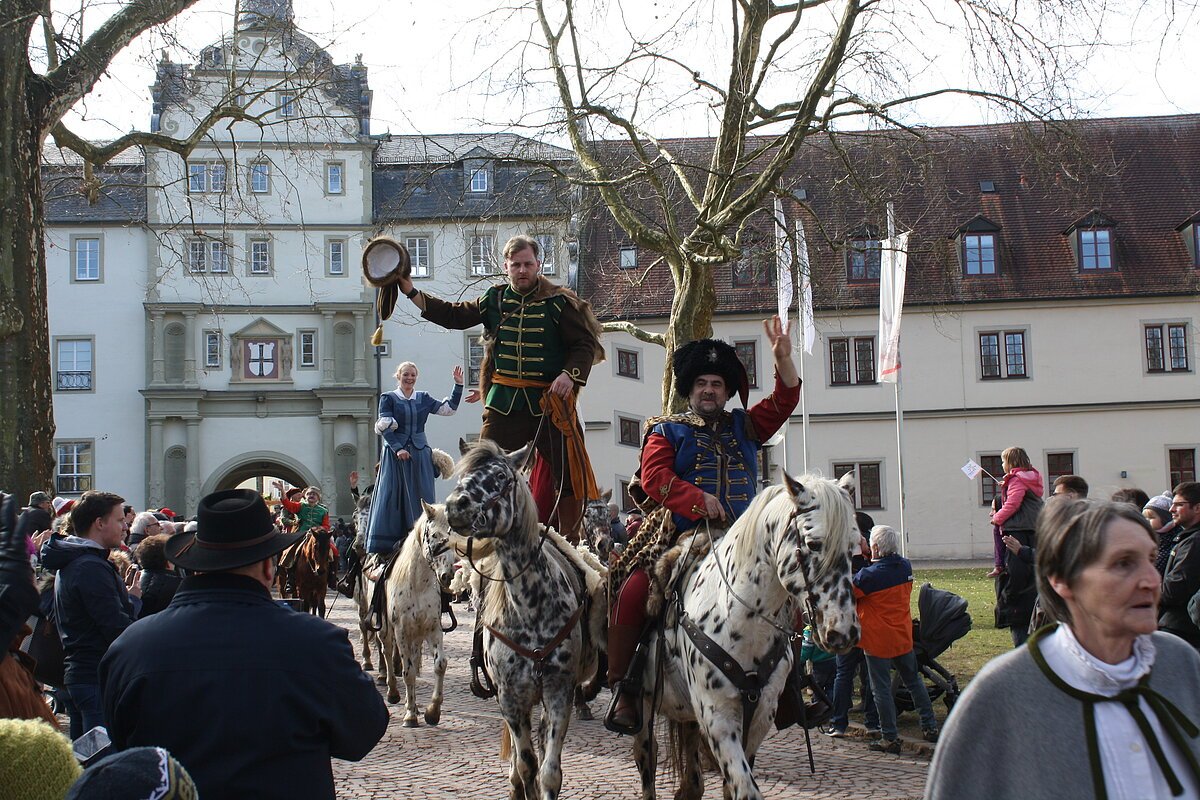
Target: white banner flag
{"x":891,"y":305}
{"x":783,"y":263}
{"x":971,"y":469}
{"x":807,"y":326}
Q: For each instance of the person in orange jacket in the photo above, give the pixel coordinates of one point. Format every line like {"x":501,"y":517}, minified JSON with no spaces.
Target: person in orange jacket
{"x":883,"y":591}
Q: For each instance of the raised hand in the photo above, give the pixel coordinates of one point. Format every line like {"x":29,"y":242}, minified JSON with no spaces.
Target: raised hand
{"x":473,"y":396}
{"x":458,"y":374}
{"x":781,"y":343}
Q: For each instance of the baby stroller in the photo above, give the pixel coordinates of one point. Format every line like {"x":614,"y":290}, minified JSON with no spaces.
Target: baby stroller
{"x":943,"y":621}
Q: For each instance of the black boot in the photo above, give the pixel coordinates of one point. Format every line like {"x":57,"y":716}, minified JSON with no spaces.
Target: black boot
{"x":624,"y":676}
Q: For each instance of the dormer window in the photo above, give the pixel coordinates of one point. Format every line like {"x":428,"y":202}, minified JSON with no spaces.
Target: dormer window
{"x":1095,"y":249}
{"x":479,"y":180}
{"x":1093,"y":240}
{"x":979,"y":247}
{"x":864,"y":252}
{"x":1189,"y":229}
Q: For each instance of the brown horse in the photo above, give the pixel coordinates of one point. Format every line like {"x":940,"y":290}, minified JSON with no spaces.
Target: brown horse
{"x":311,"y":572}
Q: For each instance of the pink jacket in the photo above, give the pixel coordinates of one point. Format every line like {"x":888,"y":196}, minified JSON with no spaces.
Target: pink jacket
{"x":1016,"y":484}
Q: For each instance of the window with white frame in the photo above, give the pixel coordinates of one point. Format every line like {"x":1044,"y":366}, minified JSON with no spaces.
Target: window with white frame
{"x":851,"y":360}
{"x":335,"y":253}
{"x":1181,"y":465}
{"x":868,"y":484}
{"x":206,"y":176}
{"x":74,"y":467}
{"x":218,"y":257}
{"x":335,"y":174}
{"x":479,"y":180}
{"x":629,"y":431}
{"x":73,"y":365}
{"x":474,"y":358}
{"x":627,"y":258}
{"x":483,"y":254}
{"x":286,"y":103}
{"x":260,"y":177}
{"x":1166,"y":347}
{"x":546,"y":250}
{"x":418,"y":253}
{"x":197,"y":255}
{"x":1002,"y":355}
{"x":212,"y":349}
{"x":87,"y":259}
{"x":308,"y":349}
{"x":863,"y":258}
{"x":260,"y":257}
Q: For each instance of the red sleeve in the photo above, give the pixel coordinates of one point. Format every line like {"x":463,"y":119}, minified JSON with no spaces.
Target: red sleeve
{"x":660,"y":482}
{"x":1012,"y":501}
{"x":769,"y":414}
{"x":325,"y":521}
{"x":292,"y":506}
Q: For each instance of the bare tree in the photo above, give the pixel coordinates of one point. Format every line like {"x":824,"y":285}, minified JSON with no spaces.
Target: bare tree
{"x":775,"y":74}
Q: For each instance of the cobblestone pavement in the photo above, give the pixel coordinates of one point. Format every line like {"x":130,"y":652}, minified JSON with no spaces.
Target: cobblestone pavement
{"x":459,"y":759}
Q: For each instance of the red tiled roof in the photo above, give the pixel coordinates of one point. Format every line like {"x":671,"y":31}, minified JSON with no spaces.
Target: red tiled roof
{"x":1139,"y":172}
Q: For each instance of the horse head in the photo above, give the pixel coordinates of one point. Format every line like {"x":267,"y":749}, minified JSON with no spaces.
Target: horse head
{"x":492,"y":497}
{"x":434,"y":529}
{"x":812,"y":557}
{"x":320,"y":550}
{"x":597,"y":528}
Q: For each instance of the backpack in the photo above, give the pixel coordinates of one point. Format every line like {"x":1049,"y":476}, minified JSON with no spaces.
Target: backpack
{"x":44,"y":645}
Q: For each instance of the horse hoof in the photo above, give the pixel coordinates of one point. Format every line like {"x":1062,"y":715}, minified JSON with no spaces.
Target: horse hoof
{"x":411,"y":722}
{"x":583,"y":712}
{"x":380,"y":680}
{"x":394,"y":699}
{"x":432,"y":717}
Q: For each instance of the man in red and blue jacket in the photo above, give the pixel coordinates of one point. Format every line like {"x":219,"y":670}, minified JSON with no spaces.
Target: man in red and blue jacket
{"x":884,"y":591}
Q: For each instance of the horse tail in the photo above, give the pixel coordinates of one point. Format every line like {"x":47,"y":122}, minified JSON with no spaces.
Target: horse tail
{"x":677,"y":755}
{"x":505,"y":742}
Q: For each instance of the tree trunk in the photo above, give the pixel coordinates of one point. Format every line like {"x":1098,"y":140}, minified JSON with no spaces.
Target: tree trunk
{"x":691,"y":319}
{"x":26,"y":403}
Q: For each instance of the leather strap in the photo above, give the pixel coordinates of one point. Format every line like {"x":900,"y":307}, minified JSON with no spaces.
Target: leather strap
{"x":540,"y":654}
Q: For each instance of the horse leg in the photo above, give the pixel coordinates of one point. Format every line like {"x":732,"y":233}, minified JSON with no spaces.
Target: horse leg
{"x":433,"y":712}
{"x":522,"y":771}
{"x":410,"y":682}
{"x":687,"y":753}
{"x":387,"y":660}
{"x":555,"y":721}
{"x":645,"y":755}
{"x":582,"y":711}
{"x":736,"y":771}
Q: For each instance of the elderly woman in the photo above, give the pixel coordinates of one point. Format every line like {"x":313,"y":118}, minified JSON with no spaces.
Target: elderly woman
{"x":406,"y":461}
{"x":1101,"y":706}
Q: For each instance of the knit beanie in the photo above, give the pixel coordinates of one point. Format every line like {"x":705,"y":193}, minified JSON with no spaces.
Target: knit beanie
{"x":140,"y":773}
{"x":36,"y":762}
{"x":1161,"y":505}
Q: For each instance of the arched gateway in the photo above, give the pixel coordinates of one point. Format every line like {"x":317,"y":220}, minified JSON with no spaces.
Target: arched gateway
{"x":251,"y":465}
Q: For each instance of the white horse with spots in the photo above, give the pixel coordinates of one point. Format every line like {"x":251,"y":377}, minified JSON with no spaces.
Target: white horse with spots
{"x":413,"y":586}
{"x":726,"y":647}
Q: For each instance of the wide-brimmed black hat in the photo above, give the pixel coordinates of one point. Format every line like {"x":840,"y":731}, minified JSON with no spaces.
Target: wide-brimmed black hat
{"x":710,"y":357}
{"x":233,"y":529}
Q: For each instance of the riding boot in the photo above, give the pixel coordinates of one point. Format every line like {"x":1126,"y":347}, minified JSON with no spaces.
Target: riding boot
{"x":570,"y":518}
{"x":624,"y":676}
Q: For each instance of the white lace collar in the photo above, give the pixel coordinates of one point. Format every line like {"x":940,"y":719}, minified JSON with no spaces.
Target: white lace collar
{"x":1079,"y":668}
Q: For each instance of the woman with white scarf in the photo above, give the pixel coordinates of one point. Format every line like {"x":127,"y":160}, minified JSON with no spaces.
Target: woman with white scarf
{"x":1099,"y":706}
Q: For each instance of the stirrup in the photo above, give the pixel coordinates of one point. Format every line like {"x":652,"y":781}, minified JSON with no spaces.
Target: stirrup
{"x":610,"y":722}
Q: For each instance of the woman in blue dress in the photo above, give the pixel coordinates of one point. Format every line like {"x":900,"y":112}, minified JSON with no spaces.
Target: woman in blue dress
{"x":406,"y":460}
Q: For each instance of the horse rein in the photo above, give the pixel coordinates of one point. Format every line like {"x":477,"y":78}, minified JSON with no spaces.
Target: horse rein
{"x":491,"y":503}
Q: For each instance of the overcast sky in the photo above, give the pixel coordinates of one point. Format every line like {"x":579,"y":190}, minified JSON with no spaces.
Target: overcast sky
{"x":438,"y":67}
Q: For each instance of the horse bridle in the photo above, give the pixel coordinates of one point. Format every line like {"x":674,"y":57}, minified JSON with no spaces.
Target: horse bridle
{"x":508,"y":484}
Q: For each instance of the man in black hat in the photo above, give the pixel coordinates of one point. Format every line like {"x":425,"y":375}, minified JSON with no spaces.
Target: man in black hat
{"x":701,"y":464}
{"x":251,"y":697}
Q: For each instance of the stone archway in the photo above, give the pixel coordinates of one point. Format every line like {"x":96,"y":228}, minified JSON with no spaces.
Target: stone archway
{"x":261,"y":462}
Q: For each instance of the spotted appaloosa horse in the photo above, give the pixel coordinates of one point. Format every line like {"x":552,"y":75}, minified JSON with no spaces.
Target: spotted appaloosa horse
{"x":597,"y":527}
{"x":790,"y":547}
{"x":536,"y":600}
{"x":414,"y":585}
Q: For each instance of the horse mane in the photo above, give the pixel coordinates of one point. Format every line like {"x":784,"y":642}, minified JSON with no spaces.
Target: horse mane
{"x":410,"y":552}
{"x":774,"y":504}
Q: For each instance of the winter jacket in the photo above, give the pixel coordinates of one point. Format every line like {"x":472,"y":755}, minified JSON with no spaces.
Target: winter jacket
{"x":158,"y":587}
{"x":1016,"y":587}
{"x":33,"y":520}
{"x":1021,"y":490}
{"x":91,"y":604}
{"x":1181,"y":582}
{"x":251,"y":697}
{"x":884,"y":591}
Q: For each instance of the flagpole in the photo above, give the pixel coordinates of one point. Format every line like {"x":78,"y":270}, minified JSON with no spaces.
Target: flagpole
{"x":891,"y":225}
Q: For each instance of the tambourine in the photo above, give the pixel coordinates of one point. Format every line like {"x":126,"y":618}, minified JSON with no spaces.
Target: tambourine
{"x":384,"y":263}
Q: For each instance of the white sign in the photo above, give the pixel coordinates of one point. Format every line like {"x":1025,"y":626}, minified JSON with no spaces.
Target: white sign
{"x":971,"y":469}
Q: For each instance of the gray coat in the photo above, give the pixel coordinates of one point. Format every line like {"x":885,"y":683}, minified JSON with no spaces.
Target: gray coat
{"x":1014,"y":736}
